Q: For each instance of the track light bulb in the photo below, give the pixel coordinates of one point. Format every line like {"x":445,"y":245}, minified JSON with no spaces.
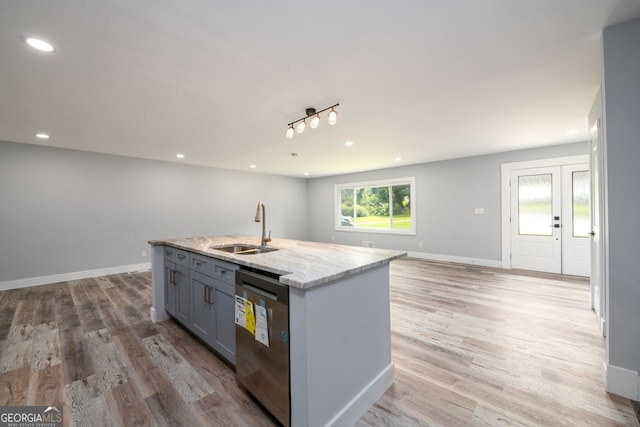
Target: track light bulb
{"x":333,"y":117}
{"x":315,"y":121}
{"x":290,"y":132}
{"x":300,"y":126}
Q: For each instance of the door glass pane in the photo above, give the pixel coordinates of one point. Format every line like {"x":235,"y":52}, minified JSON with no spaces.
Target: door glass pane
{"x":580,"y":192}
{"x":534,"y":205}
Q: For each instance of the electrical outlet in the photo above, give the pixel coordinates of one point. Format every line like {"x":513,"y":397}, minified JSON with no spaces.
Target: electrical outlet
{"x":143,"y":254}
{"x":420,"y":245}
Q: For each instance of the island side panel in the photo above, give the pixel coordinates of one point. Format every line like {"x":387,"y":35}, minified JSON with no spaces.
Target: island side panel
{"x":340,"y":348}
{"x":158,"y":312}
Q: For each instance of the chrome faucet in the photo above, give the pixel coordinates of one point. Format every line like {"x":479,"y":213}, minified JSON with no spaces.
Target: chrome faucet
{"x":263,"y":218}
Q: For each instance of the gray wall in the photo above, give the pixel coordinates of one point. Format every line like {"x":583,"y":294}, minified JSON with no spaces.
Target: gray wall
{"x":447,"y":193}
{"x":621,"y":48}
{"x":64,"y":211}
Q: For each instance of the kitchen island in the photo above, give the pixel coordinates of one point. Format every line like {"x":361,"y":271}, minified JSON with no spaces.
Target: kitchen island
{"x":339,"y":318}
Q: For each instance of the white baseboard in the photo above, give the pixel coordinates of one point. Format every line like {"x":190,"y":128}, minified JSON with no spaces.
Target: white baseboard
{"x":459,"y":259}
{"x":621,"y":381}
{"x":364,"y":400}
{"x":75,"y":275}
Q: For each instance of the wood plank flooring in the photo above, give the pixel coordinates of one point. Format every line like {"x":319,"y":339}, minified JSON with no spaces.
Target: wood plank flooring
{"x":488,"y":347}
{"x":471,"y":346}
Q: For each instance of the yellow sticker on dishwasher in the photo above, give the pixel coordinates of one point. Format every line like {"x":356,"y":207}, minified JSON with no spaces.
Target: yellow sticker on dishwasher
{"x":250,"y":318}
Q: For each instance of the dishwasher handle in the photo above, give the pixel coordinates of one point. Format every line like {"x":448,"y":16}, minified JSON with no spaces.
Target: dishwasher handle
{"x":259,"y":291}
{"x":263,"y":285}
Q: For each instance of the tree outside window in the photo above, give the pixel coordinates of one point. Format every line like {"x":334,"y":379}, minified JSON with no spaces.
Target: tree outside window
{"x":377,"y":206}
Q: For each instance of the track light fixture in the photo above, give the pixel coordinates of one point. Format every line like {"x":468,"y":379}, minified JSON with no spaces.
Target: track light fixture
{"x":300,"y":124}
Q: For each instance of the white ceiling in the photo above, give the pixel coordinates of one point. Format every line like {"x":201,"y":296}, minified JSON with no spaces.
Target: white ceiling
{"x":219,"y":80}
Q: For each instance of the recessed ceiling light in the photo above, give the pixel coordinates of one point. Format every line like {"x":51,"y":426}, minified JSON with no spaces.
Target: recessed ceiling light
{"x":306,"y":174}
{"x":180,"y":156}
{"x":39,"y":44}
{"x":42,"y":135}
{"x":348,"y":143}
{"x":397,"y":159}
{"x":572,"y":132}
{"x":252,"y":166}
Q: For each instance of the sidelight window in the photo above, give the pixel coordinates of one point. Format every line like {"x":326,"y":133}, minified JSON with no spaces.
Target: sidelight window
{"x":580,"y":203}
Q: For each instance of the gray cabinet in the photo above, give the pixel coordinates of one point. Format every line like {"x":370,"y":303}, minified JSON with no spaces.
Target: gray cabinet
{"x":200,"y":294}
{"x":212,"y":304}
{"x":176,"y":284}
{"x":225,"y":338}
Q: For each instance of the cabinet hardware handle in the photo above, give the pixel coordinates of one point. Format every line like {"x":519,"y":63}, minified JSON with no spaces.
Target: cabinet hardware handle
{"x":172,"y":277}
{"x":181,"y":256}
{"x":205,"y":293}
{"x":210,"y":287}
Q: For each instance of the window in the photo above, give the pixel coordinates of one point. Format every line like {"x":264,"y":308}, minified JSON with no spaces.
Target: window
{"x":535,"y":205}
{"x":377,"y":206}
{"x":581,"y":204}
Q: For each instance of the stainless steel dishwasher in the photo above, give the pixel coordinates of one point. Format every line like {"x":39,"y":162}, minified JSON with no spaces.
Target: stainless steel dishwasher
{"x":264,"y":368}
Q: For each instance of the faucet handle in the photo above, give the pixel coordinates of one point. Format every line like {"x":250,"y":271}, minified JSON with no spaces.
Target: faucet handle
{"x":268,"y":239}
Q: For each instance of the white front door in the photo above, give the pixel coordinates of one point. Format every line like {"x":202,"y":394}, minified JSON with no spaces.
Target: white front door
{"x":535,"y":219}
{"x":550,"y":219}
{"x":576,"y":224}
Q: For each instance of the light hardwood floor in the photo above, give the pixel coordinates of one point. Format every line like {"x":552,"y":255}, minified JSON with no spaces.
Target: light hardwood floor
{"x":471,"y":346}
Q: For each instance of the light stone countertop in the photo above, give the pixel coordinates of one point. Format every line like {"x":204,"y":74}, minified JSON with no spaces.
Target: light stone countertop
{"x":301,"y":264}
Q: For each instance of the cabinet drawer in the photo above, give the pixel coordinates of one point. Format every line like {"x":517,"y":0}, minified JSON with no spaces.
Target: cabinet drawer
{"x":200,"y":263}
{"x":212,"y":267}
{"x":178,"y":256}
{"x":170,"y":253}
{"x":182,"y":257}
{"x":224,"y":271}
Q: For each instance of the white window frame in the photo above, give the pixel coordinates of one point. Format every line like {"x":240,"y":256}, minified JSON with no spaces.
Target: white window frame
{"x":337,"y":209}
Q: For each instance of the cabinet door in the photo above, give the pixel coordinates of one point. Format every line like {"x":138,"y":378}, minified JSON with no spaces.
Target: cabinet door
{"x":202,"y":308}
{"x":170,"y":293}
{"x":225,"y":337}
{"x":181,"y":277}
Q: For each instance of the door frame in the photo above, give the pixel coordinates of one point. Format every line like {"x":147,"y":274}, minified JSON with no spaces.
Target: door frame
{"x":505,"y":191}
{"x":599,"y":262}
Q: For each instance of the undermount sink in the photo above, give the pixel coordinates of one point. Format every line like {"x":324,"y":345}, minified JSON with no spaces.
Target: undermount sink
{"x":243,"y":249}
